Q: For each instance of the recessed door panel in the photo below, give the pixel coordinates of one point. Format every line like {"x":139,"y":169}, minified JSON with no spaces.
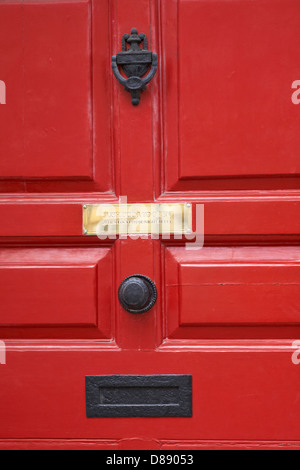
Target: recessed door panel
{"x":48,"y":122}
{"x":56,"y":293}
{"x":231,"y":122}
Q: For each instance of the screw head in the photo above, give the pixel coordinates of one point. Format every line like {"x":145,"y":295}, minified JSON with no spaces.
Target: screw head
{"x":85,"y":231}
{"x":188,"y":204}
{"x":85,"y":206}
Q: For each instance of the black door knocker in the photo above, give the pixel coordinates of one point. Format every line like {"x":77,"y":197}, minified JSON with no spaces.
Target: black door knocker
{"x":135,"y":63}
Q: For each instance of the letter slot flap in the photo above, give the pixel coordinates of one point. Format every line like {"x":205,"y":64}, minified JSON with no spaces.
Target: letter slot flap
{"x":139,"y":396}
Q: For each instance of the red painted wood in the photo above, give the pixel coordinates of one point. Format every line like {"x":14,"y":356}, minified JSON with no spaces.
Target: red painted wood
{"x":252,"y":216}
{"x":220,"y":280}
{"x":241,"y":389}
{"x":135,"y":152}
{"x":52,"y":134}
{"x":58,"y":444}
{"x":46,"y":295}
{"x":217,"y":126}
{"x":57,"y":110}
{"x":12,"y":74}
{"x":40,"y":219}
{"x":134,"y":444}
{"x":232,"y":445}
{"x":227,"y":71}
{"x":248,"y":216}
{"x":246,"y":118}
{"x":135,"y":331}
{"x":55,"y":292}
{"x":54,"y":131}
{"x":220,"y":292}
{"x":232,"y":293}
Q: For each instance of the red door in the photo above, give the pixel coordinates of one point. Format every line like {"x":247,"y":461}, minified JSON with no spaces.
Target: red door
{"x":219,"y":126}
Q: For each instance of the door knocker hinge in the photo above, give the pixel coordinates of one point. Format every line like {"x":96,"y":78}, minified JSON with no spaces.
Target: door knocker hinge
{"x":135,"y":62}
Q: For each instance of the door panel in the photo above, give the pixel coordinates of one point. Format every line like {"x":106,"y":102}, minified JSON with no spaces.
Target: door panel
{"x":56,"y":293}
{"x":47,"y":128}
{"x":237,"y":395}
{"x":250,"y":292}
{"x":229,"y":69}
{"x":57,"y":114}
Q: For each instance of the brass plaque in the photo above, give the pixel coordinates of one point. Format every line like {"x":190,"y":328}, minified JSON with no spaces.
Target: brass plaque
{"x":137,"y":219}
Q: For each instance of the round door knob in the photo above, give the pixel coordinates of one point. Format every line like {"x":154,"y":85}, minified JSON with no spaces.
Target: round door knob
{"x":137,"y":293}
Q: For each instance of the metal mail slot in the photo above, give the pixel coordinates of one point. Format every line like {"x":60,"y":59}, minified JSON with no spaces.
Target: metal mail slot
{"x":139,"y":396}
